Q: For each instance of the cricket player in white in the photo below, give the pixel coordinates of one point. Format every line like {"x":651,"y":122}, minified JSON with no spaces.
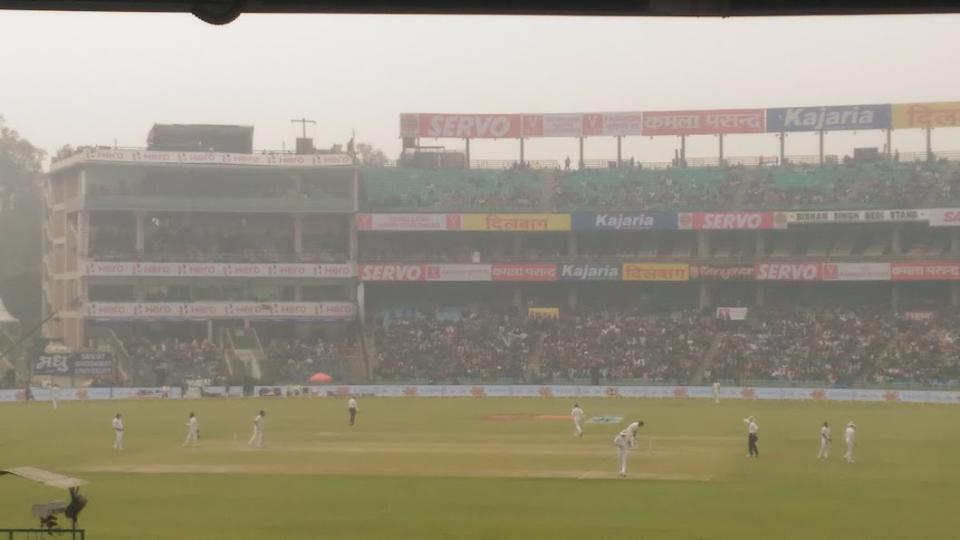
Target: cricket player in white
{"x":577,"y":415}
{"x":55,"y":395}
{"x":624,"y":441}
{"x":257,"y":438}
{"x":352,"y":409}
{"x":193,"y":431}
{"x":118,"y":432}
{"x":825,"y":441}
{"x":752,"y":437}
{"x":850,"y":437}
{"x":716,"y":392}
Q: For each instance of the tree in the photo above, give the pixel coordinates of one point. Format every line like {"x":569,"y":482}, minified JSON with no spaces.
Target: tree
{"x":20,"y":263}
{"x":370,"y":156}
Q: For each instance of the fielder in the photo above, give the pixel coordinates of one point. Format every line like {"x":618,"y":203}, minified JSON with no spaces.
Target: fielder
{"x":716,"y":392}
{"x":850,"y":437}
{"x":624,"y":441}
{"x":577,"y":415}
{"x":118,"y":432}
{"x":257,"y":438}
{"x":193,"y":431}
{"x":752,"y":437}
{"x":55,"y":395}
{"x":825,"y":441}
{"x":352,"y":409}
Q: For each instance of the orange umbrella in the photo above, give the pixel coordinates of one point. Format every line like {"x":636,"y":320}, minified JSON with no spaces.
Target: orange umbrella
{"x":320,"y":377}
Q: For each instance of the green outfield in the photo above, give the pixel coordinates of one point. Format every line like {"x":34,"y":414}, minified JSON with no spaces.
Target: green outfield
{"x":489,"y":468}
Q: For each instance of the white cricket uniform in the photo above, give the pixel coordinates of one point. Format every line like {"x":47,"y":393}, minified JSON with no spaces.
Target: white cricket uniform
{"x":55,"y":396}
{"x":352,"y":410}
{"x":193,"y":432}
{"x":631,"y":433}
{"x":118,"y":432}
{"x":577,"y":415}
{"x":716,"y":392}
{"x":850,"y":437}
{"x":622,"y":442}
{"x":824,"y":443}
{"x":257,"y":438}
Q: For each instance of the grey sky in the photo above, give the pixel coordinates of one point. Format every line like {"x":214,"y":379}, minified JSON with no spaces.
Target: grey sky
{"x":90,"y":78}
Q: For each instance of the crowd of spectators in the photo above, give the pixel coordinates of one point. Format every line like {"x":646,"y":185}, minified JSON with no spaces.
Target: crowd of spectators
{"x":297,"y":359}
{"x":824,"y":346}
{"x":173,"y":361}
{"x":665,"y":189}
{"x":475,"y":345}
{"x":853,"y":185}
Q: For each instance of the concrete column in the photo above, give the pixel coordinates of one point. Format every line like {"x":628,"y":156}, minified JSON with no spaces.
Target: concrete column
{"x":582,"y":164}
{"x":619,"y":151}
{"x":467,"y":153}
{"x":521,"y":153}
{"x":572,"y":244}
{"x":761,"y":295}
{"x":210,"y":330}
{"x":721,"y":148}
{"x":954,"y":242}
{"x":354,"y":249}
{"x":298,"y":234}
{"x":896,"y":241}
{"x":889,"y":145}
{"x":703,"y":244}
{"x":783,"y":148}
{"x":140,"y":217}
{"x":298,"y":293}
{"x":821,"y":147}
{"x":518,"y":299}
{"x":761,"y":250}
{"x":895,"y":296}
{"x":683,"y":151}
{"x":705,"y":295}
{"x":929,"y":145}
{"x":572,"y":298}
{"x":517,"y":245}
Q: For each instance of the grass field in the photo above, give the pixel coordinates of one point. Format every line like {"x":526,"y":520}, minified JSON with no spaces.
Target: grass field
{"x":445,"y":468}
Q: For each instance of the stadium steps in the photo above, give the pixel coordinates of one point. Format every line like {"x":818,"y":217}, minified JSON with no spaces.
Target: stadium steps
{"x":708,"y":358}
{"x":244,"y":355}
{"x":107,"y":338}
{"x":361,"y":363}
{"x":535,"y":360}
{"x":740,"y":196}
{"x":549,"y":191}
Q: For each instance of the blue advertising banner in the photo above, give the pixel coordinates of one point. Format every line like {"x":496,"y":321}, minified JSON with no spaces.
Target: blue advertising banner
{"x":589,"y":272}
{"x":623,"y":221}
{"x":837,"y":117}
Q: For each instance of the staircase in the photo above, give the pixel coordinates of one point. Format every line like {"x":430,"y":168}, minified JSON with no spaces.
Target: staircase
{"x":747,"y":181}
{"x":708,"y":358}
{"x":244,"y":357}
{"x":361,"y":363}
{"x":106,"y":338}
{"x":549,"y":177}
{"x":531,"y":371}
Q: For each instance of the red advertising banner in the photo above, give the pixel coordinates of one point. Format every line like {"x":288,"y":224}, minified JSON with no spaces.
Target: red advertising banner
{"x":856,"y":272}
{"x":408,"y":222}
{"x":425,"y":272}
{"x":704,"y":122}
{"x":470,"y":126}
{"x":788,"y":271}
{"x":924,"y":271}
{"x":730,"y":221}
{"x":524,"y":272}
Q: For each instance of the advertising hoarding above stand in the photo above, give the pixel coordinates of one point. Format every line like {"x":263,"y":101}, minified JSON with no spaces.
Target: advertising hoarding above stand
{"x":531,"y":391}
{"x":219,"y":310}
{"x":247,"y":270}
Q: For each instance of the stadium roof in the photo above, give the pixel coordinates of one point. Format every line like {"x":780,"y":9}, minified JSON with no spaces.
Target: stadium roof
{"x":225,"y":11}
{"x":47,"y":478}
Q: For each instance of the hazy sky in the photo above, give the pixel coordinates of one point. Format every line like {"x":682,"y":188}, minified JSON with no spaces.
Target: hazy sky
{"x":93,"y":78}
